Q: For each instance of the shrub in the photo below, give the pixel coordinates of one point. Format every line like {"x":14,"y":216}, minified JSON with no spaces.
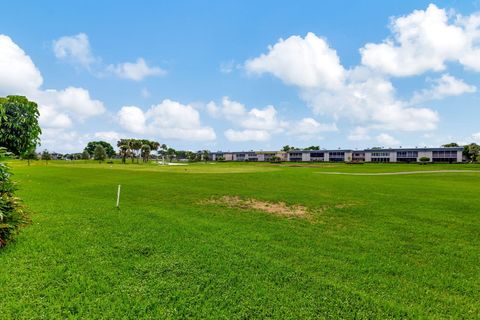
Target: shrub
{"x":12,"y":213}
{"x":424,"y":160}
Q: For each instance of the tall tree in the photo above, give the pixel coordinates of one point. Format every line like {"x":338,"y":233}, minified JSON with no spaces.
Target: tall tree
{"x":46,"y":156}
{"x":107,"y":146}
{"x":124,"y":147}
{"x":451,"y":144}
{"x":19,"y":128}
{"x":30,"y":155}
{"x":135,"y":146}
{"x":472,"y":152}
{"x":206,"y":155}
{"x":85,"y":155}
{"x":171,"y":153}
{"x":99,"y":154}
{"x":146,"y":149}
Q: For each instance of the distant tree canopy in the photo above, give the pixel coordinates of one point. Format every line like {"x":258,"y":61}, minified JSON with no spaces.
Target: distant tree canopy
{"x":99,"y":154}
{"x":287,"y":148}
{"x":313,"y":148}
{"x":19,"y":129}
{"x":107,"y":146}
{"x":85,"y":155}
{"x":472,"y":152}
{"x":46,"y":155}
{"x":451,"y":144}
{"x":135,"y":148}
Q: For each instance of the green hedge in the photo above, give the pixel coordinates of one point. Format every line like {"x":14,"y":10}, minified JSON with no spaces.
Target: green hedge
{"x":12,"y":213}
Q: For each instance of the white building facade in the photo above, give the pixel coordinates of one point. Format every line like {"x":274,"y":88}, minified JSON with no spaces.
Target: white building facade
{"x":401,"y":155}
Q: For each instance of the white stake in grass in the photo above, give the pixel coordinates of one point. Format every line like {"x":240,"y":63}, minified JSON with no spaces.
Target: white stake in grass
{"x":118,"y":196}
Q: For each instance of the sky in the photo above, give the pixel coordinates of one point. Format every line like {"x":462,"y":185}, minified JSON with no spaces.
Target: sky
{"x":246,"y":75}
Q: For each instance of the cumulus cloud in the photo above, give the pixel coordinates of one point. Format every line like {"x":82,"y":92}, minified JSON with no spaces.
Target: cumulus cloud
{"x":426,"y":40}
{"x":442,"y":87}
{"x":257,"y":124}
{"x":423,"y":40}
{"x":18,"y":74}
{"x":359,"y":134}
{"x":308,"y":128}
{"x":60,"y":140}
{"x":168,"y":120}
{"x":73,"y":99}
{"x":136,"y":71}
{"x":387,"y":140}
{"x":109,"y":136}
{"x":74,"y":49}
{"x":304,"y":62}
{"x":58,"y":108}
{"x":359,"y":94}
{"x":476,"y":137}
{"x":77,"y":50}
{"x":246,"y":135}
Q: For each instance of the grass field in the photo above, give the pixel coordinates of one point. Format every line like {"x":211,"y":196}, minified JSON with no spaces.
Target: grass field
{"x":386,"y":246}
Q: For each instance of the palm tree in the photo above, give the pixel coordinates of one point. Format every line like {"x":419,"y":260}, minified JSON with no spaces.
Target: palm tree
{"x":171,"y":154}
{"x":154,"y":145}
{"x":124,"y":146}
{"x":206,"y":155}
{"x":135,"y":145}
{"x":146,"y":152}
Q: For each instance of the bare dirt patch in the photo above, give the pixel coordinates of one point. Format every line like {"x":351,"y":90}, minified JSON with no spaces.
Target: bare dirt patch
{"x":276,"y":208}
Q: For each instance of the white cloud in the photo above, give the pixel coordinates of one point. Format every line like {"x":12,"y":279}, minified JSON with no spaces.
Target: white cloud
{"x":58,"y":108}
{"x":231,"y":110}
{"x":168,"y":120}
{"x":308,"y":128}
{"x":442,"y":87}
{"x":75,"y":49}
{"x":75,"y":100}
{"x":132,"y":119}
{"x":358,"y":134}
{"x":261,"y":119}
{"x":246,"y":135}
{"x":61,"y":140}
{"x":50,"y":117}
{"x":136,"y":71}
{"x":426,"y":40}
{"x":257,"y":124}
{"x":18,"y":74}
{"x":359,"y":94}
{"x":476,"y":137}
{"x":387,"y":140}
{"x":109,"y":136}
{"x":304,"y":62}
{"x":228,"y":67}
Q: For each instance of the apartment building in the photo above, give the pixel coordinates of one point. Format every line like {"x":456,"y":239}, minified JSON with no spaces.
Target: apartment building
{"x":401,"y":155}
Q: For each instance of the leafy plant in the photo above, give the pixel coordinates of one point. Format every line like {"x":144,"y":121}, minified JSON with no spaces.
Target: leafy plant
{"x":424,"y":160}
{"x":12,"y":213}
{"x":99,"y":153}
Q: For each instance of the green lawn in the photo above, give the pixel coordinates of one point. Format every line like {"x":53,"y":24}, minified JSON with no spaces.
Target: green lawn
{"x":397,"y":246}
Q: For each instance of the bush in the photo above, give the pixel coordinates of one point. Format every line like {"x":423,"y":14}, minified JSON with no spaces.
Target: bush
{"x":12,"y":214}
{"x":424,"y":160}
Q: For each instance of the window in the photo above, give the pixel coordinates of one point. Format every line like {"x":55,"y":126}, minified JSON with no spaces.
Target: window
{"x":380,"y":154}
{"x":407,"y":154}
{"x":317,"y":154}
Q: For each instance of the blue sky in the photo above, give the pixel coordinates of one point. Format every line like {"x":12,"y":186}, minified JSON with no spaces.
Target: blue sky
{"x":216,"y":74}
